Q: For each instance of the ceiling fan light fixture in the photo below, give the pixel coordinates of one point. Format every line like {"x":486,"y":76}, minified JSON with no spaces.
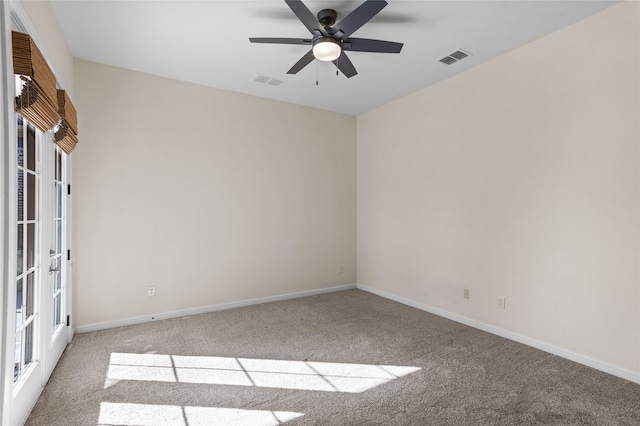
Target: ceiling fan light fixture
{"x":326,"y":49}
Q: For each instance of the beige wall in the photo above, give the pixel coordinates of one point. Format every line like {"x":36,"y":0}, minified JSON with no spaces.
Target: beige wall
{"x":520,"y":179}
{"x":51,"y":41}
{"x":209,"y":195}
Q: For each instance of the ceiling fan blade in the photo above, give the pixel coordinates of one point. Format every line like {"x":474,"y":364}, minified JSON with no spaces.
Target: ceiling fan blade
{"x":345,"y":66}
{"x":370,"y":45}
{"x":303,"y":62}
{"x":305,"y":16}
{"x":360,"y":16}
{"x":276,"y":40}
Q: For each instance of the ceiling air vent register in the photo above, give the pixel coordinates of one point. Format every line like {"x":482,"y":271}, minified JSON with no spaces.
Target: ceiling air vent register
{"x":454,"y":57}
{"x":268,"y":80}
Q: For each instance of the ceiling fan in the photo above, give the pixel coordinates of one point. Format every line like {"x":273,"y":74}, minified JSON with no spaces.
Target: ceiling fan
{"x":330,"y":40}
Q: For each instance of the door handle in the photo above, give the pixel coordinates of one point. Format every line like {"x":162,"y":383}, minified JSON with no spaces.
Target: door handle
{"x":52,"y":269}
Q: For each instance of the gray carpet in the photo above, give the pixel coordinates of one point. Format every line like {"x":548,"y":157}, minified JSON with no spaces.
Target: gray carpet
{"x":462,"y":376}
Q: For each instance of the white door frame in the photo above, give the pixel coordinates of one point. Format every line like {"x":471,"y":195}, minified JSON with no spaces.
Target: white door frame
{"x":13,"y":15}
{"x":7,"y":128}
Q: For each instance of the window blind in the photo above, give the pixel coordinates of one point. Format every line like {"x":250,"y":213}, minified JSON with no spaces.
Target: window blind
{"x":38,"y":99}
{"x":66,"y":136}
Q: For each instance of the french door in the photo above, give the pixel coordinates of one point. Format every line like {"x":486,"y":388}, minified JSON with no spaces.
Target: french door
{"x":58,"y":296}
{"x":39,"y":297}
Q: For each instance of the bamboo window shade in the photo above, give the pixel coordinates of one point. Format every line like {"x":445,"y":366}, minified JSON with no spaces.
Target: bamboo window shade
{"x":38,"y":100}
{"x":66,"y":136}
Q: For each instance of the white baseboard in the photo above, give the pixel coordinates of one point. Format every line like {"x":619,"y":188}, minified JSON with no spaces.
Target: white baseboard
{"x":212,"y":308}
{"x":563,"y":353}
{"x":32,"y":404}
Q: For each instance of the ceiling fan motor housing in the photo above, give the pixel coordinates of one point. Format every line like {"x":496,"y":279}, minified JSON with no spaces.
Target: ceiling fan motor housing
{"x":327,"y":17}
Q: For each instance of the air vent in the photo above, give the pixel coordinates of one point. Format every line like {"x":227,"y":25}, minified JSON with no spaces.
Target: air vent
{"x":275,"y":82}
{"x":268,"y":80}
{"x":448,"y":60}
{"x":454,"y":57}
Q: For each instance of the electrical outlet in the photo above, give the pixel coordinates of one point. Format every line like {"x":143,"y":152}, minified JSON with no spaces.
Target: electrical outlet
{"x":342,"y":269}
{"x":465,"y":293}
{"x":502,"y":302}
{"x":151,"y":291}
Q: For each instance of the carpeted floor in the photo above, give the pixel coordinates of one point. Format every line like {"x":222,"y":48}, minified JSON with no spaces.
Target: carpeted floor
{"x":333,"y":359}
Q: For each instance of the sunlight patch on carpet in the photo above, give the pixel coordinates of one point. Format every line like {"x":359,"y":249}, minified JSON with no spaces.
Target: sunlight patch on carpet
{"x":300,"y":375}
{"x":123,"y":414}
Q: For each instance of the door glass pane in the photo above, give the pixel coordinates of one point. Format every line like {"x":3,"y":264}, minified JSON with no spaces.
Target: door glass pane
{"x":31,"y":245}
{"x":20,"y":143}
{"x":29,"y":307}
{"x":58,"y":280}
{"x":20,"y":236}
{"x":31,"y":148}
{"x":31,"y":197}
{"x":58,"y":200}
{"x":57,"y":306}
{"x":28,"y":344}
{"x":17,"y":357}
{"x":20,"y":195}
{"x":19,"y":305}
{"x":58,"y":175}
{"x":58,"y":236}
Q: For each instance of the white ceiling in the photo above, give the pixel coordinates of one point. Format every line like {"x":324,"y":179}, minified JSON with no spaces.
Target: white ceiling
{"x":206,"y":42}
